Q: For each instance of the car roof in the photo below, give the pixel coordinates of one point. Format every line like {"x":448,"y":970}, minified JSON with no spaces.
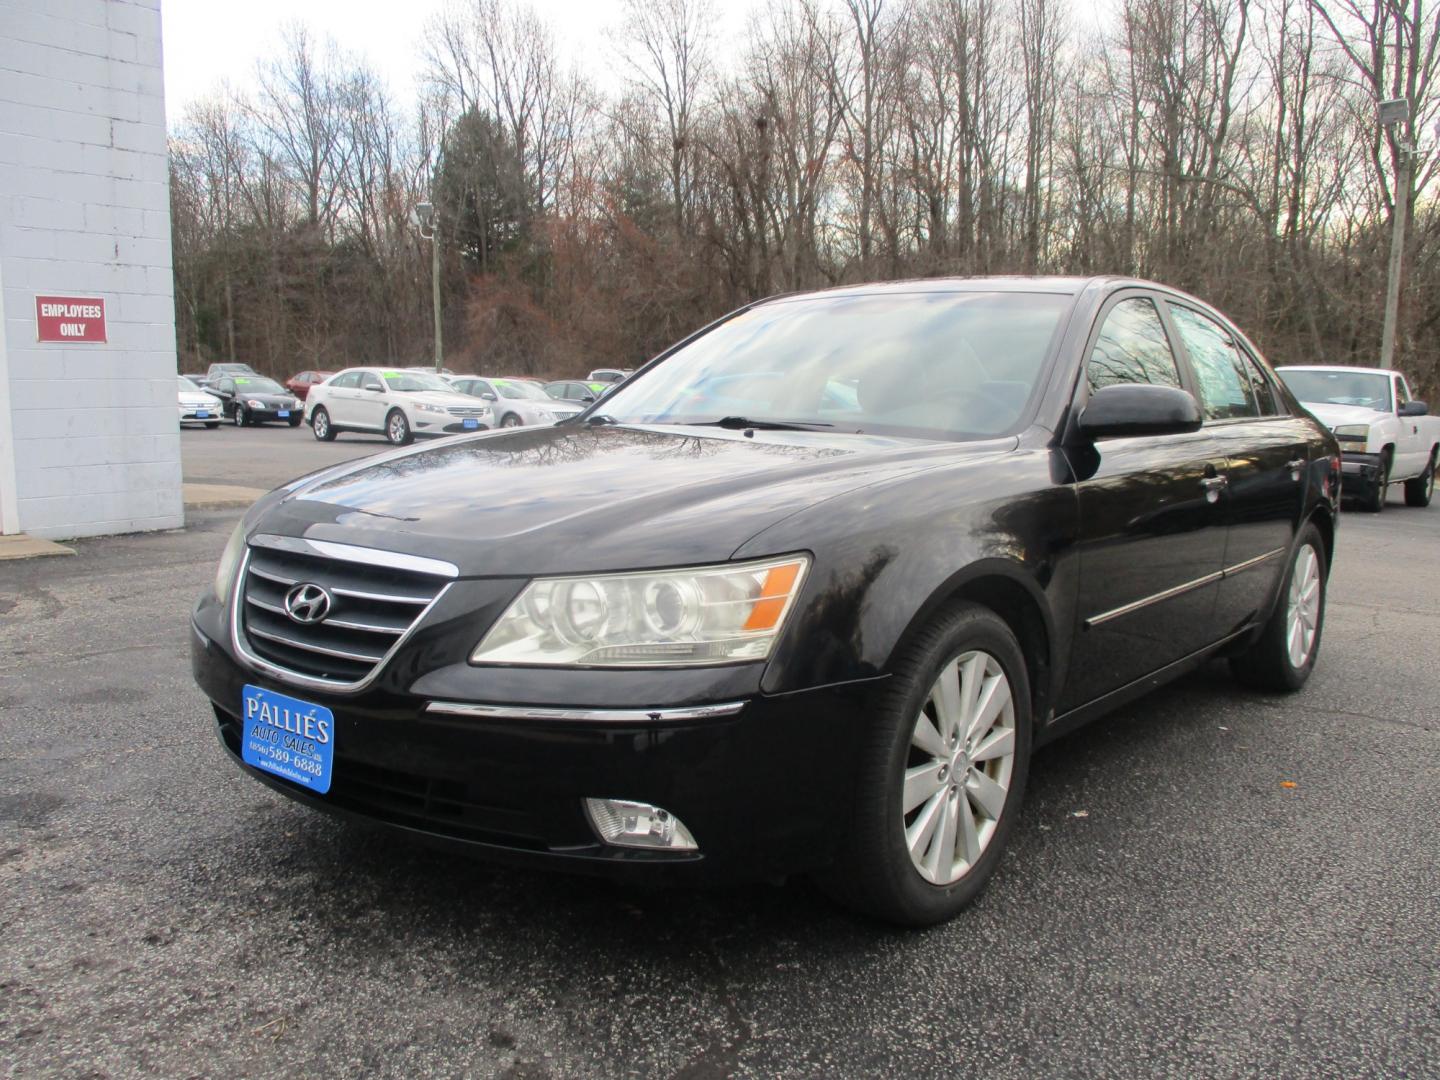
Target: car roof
{"x":1337,"y":367}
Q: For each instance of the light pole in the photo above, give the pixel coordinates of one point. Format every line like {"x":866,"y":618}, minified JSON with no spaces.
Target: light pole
{"x":1393,"y":112}
{"x":425,"y":215}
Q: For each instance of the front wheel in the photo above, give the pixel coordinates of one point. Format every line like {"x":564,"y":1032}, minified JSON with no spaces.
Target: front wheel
{"x":397,"y":429}
{"x":295,"y":420}
{"x":941,"y":775}
{"x":241,"y":416}
{"x":510,"y":420}
{"x":1418,"y":492}
{"x":1284,"y":654}
{"x":321,"y":426}
{"x":1375,"y":499}
{"x":212,"y":424}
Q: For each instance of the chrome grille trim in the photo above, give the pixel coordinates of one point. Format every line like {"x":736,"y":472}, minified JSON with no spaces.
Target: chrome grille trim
{"x":330,"y":549}
{"x":468,"y":410}
{"x":241,"y":598}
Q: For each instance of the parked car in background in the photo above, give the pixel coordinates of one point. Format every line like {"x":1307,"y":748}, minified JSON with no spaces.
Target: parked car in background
{"x":254,"y":399}
{"x":576,"y":391}
{"x":516,"y":403}
{"x":299,"y":384}
{"x":1386,"y":436}
{"x":608,"y":375}
{"x":214,"y":372}
{"x":199,"y":378}
{"x":197,"y":406}
{"x":823,"y":635}
{"x":400,"y":405}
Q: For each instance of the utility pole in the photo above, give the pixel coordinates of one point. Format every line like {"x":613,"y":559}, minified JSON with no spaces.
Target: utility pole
{"x":1396,"y":111}
{"x":429,"y":228}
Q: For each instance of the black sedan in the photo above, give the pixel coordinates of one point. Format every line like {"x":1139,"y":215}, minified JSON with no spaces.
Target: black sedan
{"x":254,"y":399}
{"x":803,"y":594}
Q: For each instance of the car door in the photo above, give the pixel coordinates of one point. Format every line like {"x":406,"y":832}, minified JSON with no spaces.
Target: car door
{"x":224,"y":389}
{"x":1151,"y":535}
{"x":1410,"y":454}
{"x":371,"y":401}
{"x":1267,"y":453}
{"x":338,"y":398}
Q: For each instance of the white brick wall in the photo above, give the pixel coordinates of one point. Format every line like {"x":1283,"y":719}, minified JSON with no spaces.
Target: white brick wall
{"x":88,"y":439}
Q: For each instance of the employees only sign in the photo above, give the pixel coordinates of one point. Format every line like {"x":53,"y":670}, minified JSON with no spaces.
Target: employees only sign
{"x":69,"y":318}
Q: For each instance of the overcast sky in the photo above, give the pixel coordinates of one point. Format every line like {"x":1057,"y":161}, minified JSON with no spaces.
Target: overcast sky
{"x":210,"y":40}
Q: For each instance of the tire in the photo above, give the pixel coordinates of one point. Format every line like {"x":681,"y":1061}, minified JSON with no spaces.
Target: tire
{"x":241,"y":416}
{"x":511,"y":420}
{"x":212,"y":424}
{"x":1419,"y":491}
{"x":294,"y":421}
{"x":1275,"y":662}
{"x":397,"y":429}
{"x":891,"y":867}
{"x":321,"y":426}
{"x":1374,"y":500}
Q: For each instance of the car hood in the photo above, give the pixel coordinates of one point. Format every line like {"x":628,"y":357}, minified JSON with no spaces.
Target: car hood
{"x":190,"y":398}
{"x":541,"y":500}
{"x":1331,"y":415}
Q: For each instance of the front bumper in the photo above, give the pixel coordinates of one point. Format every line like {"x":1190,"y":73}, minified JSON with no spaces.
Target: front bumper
{"x":1359,"y":473}
{"x":764,"y":791}
{"x":189,"y":414}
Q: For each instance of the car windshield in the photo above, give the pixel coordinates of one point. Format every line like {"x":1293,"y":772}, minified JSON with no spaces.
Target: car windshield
{"x":1339,"y":387}
{"x":519,"y":390}
{"x":934,"y":364}
{"x":188,"y":387}
{"x":409,"y":382}
{"x":255,"y":384}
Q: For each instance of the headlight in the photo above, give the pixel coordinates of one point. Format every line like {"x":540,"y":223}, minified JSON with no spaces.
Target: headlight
{"x":256,"y":404}
{"x":229,"y":563}
{"x":426,"y":407}
{"x":704,"y":615}
{"x":1351,"y":432}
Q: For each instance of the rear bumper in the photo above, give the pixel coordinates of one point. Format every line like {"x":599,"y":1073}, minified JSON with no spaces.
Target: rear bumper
{"x":763,"y":791}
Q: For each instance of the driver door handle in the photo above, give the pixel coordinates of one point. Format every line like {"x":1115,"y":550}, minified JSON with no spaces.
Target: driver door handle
{"x":1213,"y":485}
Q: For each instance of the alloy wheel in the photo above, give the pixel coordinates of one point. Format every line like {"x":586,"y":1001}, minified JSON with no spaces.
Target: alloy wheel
{"x":510,"y":420}
{"x":959,"y":769}
{"x":398,"y":428}
{"x":1302,"y":611}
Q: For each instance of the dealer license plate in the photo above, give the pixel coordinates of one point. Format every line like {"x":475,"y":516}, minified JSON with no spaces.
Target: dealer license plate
{"x":283,"y":413}
{"x":470,"y":425}
{"x":288,"y":737}
{"x":201,"y":414}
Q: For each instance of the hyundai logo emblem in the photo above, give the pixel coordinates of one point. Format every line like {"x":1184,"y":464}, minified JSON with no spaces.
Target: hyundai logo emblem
{"x":307,"y":603}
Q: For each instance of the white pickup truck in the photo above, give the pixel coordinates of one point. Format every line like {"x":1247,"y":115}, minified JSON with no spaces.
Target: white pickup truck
{"x":1386,"y":436}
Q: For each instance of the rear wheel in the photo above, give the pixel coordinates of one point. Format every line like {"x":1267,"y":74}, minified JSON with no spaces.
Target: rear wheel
{"x":1418,"y":492}
{"x":320,"y":424}
{"x":1284,"y":655}
{"x":397,"y":429}
{"x":942,"y":774}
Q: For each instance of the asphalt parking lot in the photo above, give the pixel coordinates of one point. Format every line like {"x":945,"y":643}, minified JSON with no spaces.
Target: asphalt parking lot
{"x":1208,"y":883}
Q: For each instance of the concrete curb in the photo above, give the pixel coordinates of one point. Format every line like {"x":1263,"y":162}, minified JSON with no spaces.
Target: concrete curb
{"x":22,"y":546}
{"x":219,"y":496}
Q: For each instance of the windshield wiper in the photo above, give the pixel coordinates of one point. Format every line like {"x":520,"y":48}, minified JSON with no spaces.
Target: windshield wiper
{"x":600,"y":418}
{"x":737,"y":423}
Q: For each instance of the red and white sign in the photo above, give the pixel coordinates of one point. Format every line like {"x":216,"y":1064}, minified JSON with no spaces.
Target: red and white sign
{"x":69,"y":318}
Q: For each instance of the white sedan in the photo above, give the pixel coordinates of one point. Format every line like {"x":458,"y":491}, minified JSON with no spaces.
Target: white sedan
{"x":198,"y":407}
{"x":516,"y":402}
{"x":401,"y":405}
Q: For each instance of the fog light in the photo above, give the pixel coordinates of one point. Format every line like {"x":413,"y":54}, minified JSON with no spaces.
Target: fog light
{"x":638,"y":825}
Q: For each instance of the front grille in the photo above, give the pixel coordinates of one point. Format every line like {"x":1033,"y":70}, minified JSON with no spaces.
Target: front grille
{"x":467,"y":410}
{"x":372,"y":608}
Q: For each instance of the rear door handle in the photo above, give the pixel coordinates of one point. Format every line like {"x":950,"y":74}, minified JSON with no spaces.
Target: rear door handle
{"x":1213,"y":485}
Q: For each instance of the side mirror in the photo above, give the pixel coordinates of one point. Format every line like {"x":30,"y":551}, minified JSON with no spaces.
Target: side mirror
{"x":488,"y":397}
{"x":375,"y":387}
{"x":587,"y":398}
{"x":1413,"y":408}
{"x":1128,"y":409}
